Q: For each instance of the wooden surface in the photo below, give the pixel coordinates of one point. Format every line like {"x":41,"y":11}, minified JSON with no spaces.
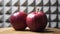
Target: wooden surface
{"x":27,"y":31}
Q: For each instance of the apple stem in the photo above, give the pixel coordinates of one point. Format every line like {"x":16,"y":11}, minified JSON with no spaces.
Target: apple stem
{"x":19,"y":6}
{"x":37,"y":10}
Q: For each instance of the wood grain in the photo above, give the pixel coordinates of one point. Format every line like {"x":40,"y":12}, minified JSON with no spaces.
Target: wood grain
{"x":27,"y":31}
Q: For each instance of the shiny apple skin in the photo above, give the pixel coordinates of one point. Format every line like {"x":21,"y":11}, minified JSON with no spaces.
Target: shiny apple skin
{"x":36,"y":21}
{"x":18,"y":20}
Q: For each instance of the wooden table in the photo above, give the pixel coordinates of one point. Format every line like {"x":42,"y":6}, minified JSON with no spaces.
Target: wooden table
{"x":27,"y":31}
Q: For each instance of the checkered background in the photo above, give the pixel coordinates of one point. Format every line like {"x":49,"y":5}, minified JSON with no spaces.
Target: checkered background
{"x":50,"y":7}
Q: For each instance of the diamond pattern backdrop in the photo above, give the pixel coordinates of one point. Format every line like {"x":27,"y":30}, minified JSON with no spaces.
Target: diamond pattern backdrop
{"x":50,"y":7}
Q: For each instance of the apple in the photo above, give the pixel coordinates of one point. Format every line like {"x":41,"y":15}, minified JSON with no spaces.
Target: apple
{"x":18,"y":20}
{"x":36,"y":21}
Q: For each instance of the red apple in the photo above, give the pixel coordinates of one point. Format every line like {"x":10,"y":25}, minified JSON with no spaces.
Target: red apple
{"x":36,"y":21}
{"x":18,"y":20}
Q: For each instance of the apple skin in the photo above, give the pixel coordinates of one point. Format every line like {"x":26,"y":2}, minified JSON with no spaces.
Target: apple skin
{"x":18,"y":20}
{"x":36,"y":21}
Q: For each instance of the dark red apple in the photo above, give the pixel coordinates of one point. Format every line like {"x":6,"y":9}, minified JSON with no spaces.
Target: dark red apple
{"x":18,"y":20}
{"x":36,"y":21}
